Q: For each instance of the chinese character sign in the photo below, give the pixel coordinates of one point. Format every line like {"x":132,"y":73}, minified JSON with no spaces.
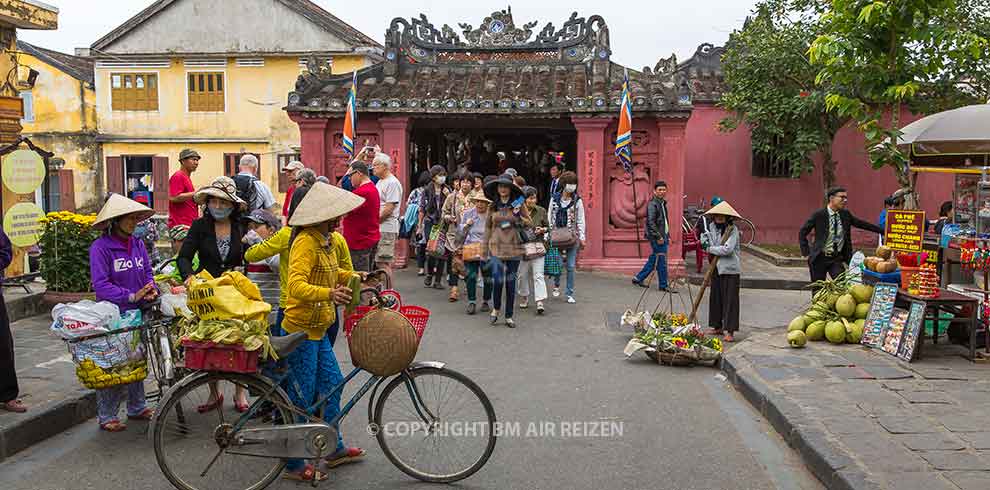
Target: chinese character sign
{"x":904,"y":230}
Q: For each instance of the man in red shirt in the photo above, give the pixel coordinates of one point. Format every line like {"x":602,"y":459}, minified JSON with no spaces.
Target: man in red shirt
{"x":292,"y":168}
{"x":361,"y":227}
{"x":182,"y":210}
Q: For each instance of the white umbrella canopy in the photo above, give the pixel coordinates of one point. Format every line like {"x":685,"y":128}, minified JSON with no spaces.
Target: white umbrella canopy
{"x":962,"y":131}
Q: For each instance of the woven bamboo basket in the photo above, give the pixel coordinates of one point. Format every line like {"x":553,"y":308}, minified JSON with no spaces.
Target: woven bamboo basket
{"x":383,"y":342}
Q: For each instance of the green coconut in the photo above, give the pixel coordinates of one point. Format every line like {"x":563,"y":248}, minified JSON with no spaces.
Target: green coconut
{"x":862,"y":310}
{"x":797,"y":339}
{"x":835,"y":332}
{"x":796,"y":324}
{"x":816,"y":331}
{"x":862,"y":293}
{"x":860,"y":323}
{"x":854,"y":332}
{"x":831,"y":299}
{"x":845,"y":306}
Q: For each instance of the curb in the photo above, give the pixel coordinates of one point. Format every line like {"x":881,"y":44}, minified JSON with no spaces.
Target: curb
{"x":55,"y":419}
{"x":756,"y":283}
{"x":832,"y":465}
{"x":25,"y":307}
{"x":775,"y":259}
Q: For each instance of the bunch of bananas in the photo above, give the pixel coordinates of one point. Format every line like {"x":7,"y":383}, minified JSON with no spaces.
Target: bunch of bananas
{"x":94,"y":377}
{"x":252,"y":334}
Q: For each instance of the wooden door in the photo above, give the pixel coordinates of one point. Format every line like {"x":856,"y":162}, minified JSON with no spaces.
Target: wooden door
{"x":159,"y":179}
{"x":115,"y":175}
{"x":66,"y":190}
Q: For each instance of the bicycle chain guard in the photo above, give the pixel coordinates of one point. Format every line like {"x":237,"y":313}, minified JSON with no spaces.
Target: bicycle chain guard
{"x":297,"y":441}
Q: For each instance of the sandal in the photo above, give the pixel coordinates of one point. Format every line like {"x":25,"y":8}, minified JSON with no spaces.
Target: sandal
{"x":113,"y":426}
{"x":241,"y":407}
{"x":308,"y":473}
{"x":210,"y":406}
{"x":345,"y":456}
{"x":145,"y":414}
{"x":453,"y":295}
{"x":728,"y":338}
{"x":15,"y":406}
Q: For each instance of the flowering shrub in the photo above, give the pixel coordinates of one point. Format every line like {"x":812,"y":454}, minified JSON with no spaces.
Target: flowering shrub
{"x":65,"y":244}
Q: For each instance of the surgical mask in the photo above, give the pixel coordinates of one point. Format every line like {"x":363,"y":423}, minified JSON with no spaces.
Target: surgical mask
{"x":570,"y":188}
{"x":220,"y":213}
{"x":439,"y":179}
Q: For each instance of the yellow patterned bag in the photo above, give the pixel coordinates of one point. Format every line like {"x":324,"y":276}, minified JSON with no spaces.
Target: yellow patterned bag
{"x":231,"y":295}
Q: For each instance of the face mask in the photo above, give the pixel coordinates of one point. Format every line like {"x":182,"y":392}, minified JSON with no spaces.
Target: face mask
{"x":439,"y":179}
{"x":220,"y":213}
{"x":570,"y":187}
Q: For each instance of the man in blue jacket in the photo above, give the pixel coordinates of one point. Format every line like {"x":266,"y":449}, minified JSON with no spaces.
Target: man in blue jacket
{"x":658,"y":233}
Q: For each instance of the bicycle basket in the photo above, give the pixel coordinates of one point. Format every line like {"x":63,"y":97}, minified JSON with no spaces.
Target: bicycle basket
{"x":109,"y":359}
{"x":384,"y":342}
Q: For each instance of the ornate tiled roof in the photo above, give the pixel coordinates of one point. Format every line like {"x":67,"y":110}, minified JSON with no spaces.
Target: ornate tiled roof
{"x":496,"y":68}
{"x":703,"y":71}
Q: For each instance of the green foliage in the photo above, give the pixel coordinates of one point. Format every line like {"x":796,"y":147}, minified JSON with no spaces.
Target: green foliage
{"x":65,"y":244}
{"x":878,"y":57}
{"x":771,"y":86}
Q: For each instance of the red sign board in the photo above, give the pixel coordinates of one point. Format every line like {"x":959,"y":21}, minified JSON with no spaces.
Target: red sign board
{"x":904,"y":231}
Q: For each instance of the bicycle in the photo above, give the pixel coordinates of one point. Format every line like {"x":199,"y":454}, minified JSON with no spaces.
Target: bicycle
{"x":208,"y":451}
{"x":747,"y":230}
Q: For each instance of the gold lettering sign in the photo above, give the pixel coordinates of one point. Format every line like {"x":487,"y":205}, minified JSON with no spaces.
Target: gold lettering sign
{"x":904,"y":230}
{"x":23,"y":171}
{"x":21,"y":224}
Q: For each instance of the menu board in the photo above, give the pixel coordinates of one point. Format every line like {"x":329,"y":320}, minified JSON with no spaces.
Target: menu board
{"x":895,"y":331}
{"x":881,"y":308}
{"x":912,"y":331}
{"x":904,"y":230}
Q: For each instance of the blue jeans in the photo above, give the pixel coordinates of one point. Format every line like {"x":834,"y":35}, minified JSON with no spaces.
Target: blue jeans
{"x":571,"y":264}
{"x":473,"y":269}
{"x":657,"y":260}
{"x":505,"y":272}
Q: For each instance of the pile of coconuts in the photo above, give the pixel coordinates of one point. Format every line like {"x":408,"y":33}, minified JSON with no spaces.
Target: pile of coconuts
{"x":837,"y":313}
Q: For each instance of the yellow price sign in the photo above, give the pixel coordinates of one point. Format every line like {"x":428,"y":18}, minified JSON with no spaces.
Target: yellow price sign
{"x":23,"y":171}
{"x":22,"y":224}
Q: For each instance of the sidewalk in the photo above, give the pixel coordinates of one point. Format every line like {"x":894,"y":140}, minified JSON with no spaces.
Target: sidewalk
{"x":758,"y":273}
{"x":861,"y":419}
{"x":56,"y":401}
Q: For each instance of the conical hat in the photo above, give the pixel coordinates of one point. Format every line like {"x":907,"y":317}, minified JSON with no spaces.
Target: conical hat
{"x":324,"y":202}
{"x":724,"y":209}
{"x":118,"y":206}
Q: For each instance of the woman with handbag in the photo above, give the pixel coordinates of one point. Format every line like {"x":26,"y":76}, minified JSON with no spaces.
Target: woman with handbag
{"x":502,"y":241}
{"x":433,"y":226}
{"x":453,"y":207}
{"x":566,"y":216}
{"x":471,"y":229}
{"x":534,"y":251}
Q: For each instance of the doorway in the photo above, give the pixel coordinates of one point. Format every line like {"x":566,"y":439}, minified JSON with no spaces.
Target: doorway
{"x":489,"y":146}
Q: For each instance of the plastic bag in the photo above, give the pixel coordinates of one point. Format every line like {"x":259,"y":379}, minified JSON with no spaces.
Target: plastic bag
{"x":84,"y":318}
{"x":232,"y":295}
{"x":174,"y":305}
{"x":856,"y":267}
{"x":110,"y":351}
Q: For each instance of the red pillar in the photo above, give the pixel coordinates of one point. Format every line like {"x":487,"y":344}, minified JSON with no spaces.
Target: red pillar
{"x":672,"y":168}
{"x":395,"y":141}
{"x":591,"y":185}
{"x":313,"y":139}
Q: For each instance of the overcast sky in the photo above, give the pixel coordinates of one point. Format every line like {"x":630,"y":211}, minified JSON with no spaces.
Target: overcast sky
{"x":642,"y":31}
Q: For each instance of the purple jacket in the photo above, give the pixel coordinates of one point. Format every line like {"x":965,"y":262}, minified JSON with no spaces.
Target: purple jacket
{"x":118,"y":269}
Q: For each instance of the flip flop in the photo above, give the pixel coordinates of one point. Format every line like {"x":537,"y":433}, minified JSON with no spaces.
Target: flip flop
{"x":241,"y":407}
{"x":15,"y":406}
{"x":345,"y":456}
{"x":145,"y":414}
{"x":210,"y":406}
{"x":113,"y":426}
{"x":308,"y":473}
{"x":728,"y":338}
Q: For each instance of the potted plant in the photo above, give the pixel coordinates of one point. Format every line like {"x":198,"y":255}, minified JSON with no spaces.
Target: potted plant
{"x":65,"y":243}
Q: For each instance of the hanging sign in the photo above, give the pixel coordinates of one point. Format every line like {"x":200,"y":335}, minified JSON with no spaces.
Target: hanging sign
{"x":22,"y":224}
{"x":904,"y":231}
{"x":23,"y":171}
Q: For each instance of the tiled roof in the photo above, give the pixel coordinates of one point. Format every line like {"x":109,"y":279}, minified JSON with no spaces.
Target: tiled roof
{"x":494,"y":69}
{"x":75,"y":66}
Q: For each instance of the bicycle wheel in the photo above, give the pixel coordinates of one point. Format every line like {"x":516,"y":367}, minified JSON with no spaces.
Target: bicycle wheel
{"x":191,"y":449}
{"x":747,"y":231}
{"x":453,"y":443}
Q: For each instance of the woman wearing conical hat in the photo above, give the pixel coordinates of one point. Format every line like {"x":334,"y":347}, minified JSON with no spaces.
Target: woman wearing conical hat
{"x":723,"y":302}
{"x":317,"y":283}
{"x":121,"y":273}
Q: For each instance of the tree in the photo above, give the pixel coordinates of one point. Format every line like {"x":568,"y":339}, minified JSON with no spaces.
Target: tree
{"x":879,"y":57}
{"x":770,"y":86}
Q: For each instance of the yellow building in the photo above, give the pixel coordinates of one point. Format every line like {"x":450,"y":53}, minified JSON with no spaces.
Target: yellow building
{"x":60,"y":117}
{"x":210,"y":75}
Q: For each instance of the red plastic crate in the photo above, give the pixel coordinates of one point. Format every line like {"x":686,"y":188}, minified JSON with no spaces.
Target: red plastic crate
{"x":210,"y":356}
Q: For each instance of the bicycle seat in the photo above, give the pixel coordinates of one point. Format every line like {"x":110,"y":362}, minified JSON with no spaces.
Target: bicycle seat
{"x":285,"y":345}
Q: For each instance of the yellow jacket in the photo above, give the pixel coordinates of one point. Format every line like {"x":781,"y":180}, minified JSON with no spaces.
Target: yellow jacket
{"x":279,"y":244}
{"x":315,"y":268}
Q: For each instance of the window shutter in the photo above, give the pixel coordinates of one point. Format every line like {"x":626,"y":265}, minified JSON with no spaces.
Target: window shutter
{"x":159,"y":178}
{"x":115,"y":174}
{"x":66,"y":190}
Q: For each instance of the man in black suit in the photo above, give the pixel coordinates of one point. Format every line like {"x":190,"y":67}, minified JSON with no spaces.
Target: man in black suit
{"x":833,"y":224}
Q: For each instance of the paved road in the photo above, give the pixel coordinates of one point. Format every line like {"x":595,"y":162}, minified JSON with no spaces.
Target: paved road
{"x":680,"y":428}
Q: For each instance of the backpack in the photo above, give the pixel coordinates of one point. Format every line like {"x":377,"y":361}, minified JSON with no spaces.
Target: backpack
{"x":246,"y":190}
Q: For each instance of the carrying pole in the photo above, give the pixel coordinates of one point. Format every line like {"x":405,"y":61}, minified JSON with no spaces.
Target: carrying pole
{"x":708,"y":277}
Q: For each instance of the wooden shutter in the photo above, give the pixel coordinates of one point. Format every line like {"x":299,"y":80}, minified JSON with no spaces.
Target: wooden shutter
{"x":115,"y":174}
{"x":230,"y":164}
{"x":66,"y":190}
{"x":159,"y":179}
